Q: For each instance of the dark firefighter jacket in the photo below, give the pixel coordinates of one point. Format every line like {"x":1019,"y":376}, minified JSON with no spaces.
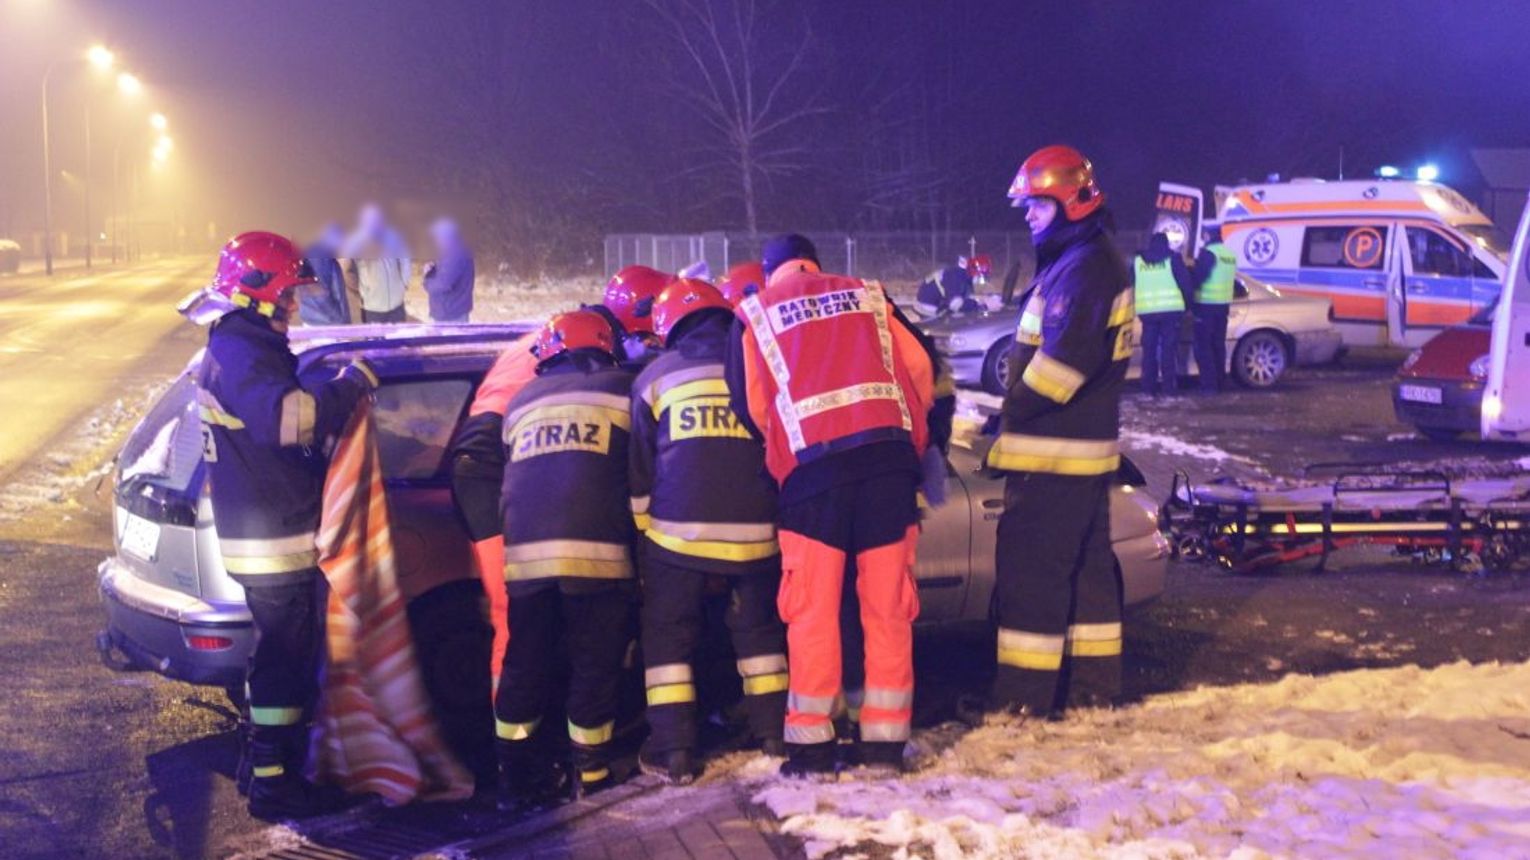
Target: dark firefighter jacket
{"x":264,"y":438}
{"x":567,"y":513}
{"x":1061,"y":413}
{"x":699,"y":488}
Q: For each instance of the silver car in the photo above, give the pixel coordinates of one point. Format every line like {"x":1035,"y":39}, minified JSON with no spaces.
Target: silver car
{"x":171,"y":607}
{"x":1267,"y":333}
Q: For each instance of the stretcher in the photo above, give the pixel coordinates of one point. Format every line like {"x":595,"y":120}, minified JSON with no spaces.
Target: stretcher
{"x":1473,"y":525}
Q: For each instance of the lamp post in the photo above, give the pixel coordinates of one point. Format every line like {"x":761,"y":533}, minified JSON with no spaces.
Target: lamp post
{"x":100,"y":57}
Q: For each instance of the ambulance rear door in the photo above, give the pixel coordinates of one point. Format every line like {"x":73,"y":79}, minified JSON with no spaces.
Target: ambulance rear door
{"x":1506,"y":399}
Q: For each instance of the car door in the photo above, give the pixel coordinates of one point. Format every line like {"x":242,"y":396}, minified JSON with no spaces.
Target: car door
{"x":943,"y":567}
{"x":1346,"y":261}
{"x":1439,"y":280}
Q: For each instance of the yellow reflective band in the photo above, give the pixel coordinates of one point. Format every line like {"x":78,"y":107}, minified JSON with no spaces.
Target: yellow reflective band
{"x":763,"y":685}
{"x":266,"y":771}
{"x":275,"y":716}
{"x":257,"y":564}
{"x":590,"y":737}
{"x":1019,"y":452}
{"x":1038,"y":660}
{"x":717,"y":550}
{"x":584,"y":568}
{"x":243,"y":300}
{"x":1051,"y":378}
{"x":671,"y":694}
{"x":210,"y":415}
{"x":1095,"y":647}
{"x":697,"y":388}
{"x":643,"y":521}
{"x":594,"y":775}
{"x":1123,"y":310}
{"x":515,"y":731}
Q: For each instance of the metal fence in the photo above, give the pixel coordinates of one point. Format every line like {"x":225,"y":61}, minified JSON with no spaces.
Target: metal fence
{"x":892,"y":256}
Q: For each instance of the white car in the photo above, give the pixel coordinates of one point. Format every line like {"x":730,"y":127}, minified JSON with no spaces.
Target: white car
{"x":1267,"y":333}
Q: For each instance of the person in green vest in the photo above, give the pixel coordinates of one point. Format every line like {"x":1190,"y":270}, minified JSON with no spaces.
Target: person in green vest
{"x":1215,"y":268}
{"x":1162,"y":282}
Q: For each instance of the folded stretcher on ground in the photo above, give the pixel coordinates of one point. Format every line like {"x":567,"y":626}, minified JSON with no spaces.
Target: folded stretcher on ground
{"x":1472,"y":523}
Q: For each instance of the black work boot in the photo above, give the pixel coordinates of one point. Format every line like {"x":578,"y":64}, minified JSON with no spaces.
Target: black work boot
{"x":811,"y":760}
{"x":880,"y":756}
{"x":676,"y":767}
{"x":277,"y":787}
{"x":529,"y":778}
{"x":592,"y":768}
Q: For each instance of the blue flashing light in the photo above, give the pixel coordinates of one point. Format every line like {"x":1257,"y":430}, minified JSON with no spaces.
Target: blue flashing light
{"x":1428,"y":173}
{"x":1387,"y":171}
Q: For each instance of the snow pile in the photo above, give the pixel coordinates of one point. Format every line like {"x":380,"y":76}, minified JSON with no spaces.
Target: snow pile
{"x":500,"y":299}
{"x":1173,"y":446}
{"x":1389,"y":762}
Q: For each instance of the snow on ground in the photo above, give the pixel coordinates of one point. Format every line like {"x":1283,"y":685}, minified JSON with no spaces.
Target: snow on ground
{"x":84,"y":458}
{"x":1133,"y":438}
{"x":1400,"y":762}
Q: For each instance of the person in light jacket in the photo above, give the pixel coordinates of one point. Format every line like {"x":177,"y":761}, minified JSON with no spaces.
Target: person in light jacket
{"x":376,"y":260}
{"x":449,"y":278}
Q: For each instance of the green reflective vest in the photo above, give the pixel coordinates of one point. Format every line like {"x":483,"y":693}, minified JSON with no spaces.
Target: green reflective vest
{"x":1217,"y":288}
{"x":1157,"y":291}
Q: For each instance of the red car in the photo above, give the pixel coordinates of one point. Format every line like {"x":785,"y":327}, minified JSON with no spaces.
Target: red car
{"x":1439,"y":386}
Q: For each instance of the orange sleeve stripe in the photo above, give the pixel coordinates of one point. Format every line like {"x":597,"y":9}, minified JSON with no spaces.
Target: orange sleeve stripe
{"x":514,"y":368}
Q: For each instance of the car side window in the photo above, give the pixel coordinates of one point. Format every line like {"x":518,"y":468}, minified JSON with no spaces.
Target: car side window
{"x":1433,"y":254}
{"x":415,"y":422}
{"x":1358,"y":246}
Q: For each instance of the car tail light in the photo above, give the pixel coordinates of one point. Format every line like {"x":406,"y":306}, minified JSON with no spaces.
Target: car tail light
{"x":209,"y":643}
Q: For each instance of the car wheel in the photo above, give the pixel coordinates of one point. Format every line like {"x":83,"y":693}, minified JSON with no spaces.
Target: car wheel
{"x":996,"y":366}
{"x":1439,"y":434}
{"x":1260,"y":359}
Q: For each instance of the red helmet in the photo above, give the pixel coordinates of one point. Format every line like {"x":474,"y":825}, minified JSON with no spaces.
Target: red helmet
{"x":735,"y":285}
{"x":573,"y":330}
{"x":255,"y":268}
{"x":630,"y":294}
{"x":681,"y":299}
{"x":1063,"y":174}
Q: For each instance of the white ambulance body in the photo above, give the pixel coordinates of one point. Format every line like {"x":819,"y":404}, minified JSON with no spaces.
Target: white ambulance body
{"x":1506,"y":395}
{"x":1400,"y":260}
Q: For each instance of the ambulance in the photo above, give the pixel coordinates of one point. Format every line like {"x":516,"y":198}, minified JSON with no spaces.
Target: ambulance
{"x":1506,"y":394}
{"x":1400,"y":260}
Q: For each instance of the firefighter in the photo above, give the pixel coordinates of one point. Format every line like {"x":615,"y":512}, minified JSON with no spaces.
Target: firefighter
{"x":265,"y":435}
{"x":1162,"y":282}
{"x":1215,"y":269}
{"x":743,"y":279}
{"x":478,"y":454}
{"x":568,"y":534}
{"x":842,"y":391}
{"x":701,"y":495}
{"x":628,"y":306}
{"x":947,"y":290}
{"x":1057,"y":594}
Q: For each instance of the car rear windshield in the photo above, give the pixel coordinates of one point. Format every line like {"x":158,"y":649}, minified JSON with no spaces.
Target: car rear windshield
{"x":166,"y":446}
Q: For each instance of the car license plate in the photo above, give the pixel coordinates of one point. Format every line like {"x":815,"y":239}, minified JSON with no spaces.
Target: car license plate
{"x":140,"y":537}
{"x":1421,"y":394}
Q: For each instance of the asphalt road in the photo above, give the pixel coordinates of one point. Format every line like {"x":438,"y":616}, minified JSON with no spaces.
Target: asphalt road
{"x":104,"y":763}
{"x":70,"y":342}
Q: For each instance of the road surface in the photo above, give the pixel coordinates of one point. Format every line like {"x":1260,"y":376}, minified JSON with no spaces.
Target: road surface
{"x":69,"y":343}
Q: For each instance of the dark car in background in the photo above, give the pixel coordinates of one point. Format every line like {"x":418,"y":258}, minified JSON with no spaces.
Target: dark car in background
{"x":1438,"y":388}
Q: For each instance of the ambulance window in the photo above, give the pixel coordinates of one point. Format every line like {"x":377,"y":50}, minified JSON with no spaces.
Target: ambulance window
{"x":1433,"y":254}
{"x":1357,"y":246}
{"x":415,"y":422}
{"x":1481,"y":270}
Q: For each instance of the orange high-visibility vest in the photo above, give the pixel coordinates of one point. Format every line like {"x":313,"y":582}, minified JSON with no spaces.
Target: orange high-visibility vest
{"x":826,"y":345}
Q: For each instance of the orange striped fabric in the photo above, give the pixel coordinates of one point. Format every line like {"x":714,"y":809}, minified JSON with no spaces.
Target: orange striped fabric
{"x":376,"y":732}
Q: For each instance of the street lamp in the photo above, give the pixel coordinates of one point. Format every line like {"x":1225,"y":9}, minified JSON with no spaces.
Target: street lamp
{"x":158,"y":122}
{"x":101,"y":58}
{"x":128,"y":84}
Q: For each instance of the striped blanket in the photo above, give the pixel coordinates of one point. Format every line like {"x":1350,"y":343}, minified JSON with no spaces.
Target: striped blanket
{"x":375,"y":730}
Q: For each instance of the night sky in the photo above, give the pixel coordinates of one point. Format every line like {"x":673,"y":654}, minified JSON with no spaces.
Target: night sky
{"x":567,"y":115}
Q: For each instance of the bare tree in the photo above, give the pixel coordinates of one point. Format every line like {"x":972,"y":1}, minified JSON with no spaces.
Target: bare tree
{"x":743,"y":82}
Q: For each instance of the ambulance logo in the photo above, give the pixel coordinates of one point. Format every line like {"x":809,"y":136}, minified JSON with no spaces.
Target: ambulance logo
{"x":795,"y":312}
{"x":1261,"y":246}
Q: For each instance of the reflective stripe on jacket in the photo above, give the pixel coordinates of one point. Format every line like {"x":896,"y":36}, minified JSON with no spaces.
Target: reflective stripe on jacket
{"x":565,"y":492}
{"x":829,"y":370}
{"x":1061,"y":412}
{"x":1217,"y":287}
{"x":263,"y":438}
{"x":699,"y":488}
{"x":1157,"y":291}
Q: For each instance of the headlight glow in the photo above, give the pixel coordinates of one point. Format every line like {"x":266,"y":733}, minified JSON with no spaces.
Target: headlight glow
{"x":1479,"y":367}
